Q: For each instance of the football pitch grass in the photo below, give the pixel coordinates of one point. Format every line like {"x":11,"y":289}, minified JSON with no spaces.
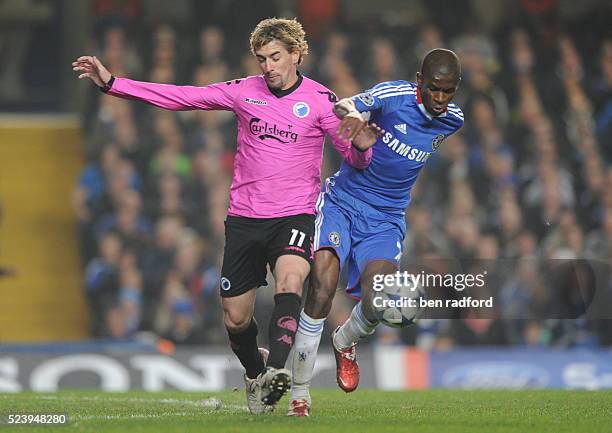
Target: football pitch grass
{"x":445,"y":411}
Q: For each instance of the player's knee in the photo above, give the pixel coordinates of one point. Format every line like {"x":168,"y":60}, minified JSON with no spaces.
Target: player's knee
{"x":235,"y":322}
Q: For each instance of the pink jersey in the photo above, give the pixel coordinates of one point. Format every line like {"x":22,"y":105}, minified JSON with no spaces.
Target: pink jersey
{"x":277,"y":169}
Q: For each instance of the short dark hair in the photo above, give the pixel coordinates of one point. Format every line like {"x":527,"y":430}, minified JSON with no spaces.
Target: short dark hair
{"x":441,"y":61}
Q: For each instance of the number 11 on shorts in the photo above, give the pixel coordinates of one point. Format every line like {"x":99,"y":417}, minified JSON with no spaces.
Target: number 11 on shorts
{"x":294,"y":235}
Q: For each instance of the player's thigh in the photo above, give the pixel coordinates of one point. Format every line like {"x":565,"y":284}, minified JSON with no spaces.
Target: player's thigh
{"x":289,"y":251}
{"x":332,"y":247}
{"x":382,"y":244}
{"x":244,"y":264}
{"x":238,"y":310}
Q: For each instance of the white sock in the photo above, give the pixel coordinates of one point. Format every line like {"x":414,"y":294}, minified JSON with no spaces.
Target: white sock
{"x":304,"y":354}
{"x":356,"y":328}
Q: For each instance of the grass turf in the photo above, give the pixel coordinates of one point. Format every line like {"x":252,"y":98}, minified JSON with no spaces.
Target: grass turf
{"x":447,"y":411}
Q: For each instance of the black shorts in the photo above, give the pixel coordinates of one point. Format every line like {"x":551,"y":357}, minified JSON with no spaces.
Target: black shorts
{"x":253,"y":243}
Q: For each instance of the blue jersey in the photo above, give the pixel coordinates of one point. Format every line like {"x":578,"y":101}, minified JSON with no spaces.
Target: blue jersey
{"x":411,"y":137}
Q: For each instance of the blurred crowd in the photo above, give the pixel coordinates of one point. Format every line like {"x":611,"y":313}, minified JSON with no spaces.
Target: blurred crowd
{"x":527,"y":179}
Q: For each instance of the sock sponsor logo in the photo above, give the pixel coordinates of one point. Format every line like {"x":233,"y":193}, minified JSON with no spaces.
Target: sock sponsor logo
{"x":302,"y":356}
{"x":287,"y":322}
{"x":286,"y":339}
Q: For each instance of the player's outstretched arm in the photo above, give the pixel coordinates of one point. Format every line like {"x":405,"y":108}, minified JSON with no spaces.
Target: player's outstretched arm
{"x":92,"y":68}
{"x":218,"y":96}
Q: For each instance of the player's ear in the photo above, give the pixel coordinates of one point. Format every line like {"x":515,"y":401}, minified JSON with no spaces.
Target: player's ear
{"x":296,"y":57}
{"x":419,"y":79}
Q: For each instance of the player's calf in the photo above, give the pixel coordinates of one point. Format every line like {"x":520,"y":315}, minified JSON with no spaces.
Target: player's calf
{"x":244,"y":345}
{"x":290,"y":273}
{"x":283,"y":326}
{"x":323,"y":283}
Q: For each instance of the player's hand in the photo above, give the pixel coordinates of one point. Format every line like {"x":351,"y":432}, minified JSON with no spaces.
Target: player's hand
{"x":368,"y":136}
{"x":92,"y":68}
{"x":352,"y":120}
{"x":350,"y":127}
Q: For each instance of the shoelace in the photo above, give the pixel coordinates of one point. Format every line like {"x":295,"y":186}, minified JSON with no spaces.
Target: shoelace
{"x":348,"y":353}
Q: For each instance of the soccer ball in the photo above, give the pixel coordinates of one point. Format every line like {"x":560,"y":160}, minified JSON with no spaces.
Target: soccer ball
{"x":398,"y":306}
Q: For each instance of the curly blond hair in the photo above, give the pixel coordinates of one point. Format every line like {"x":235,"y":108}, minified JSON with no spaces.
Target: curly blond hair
{"x":289,"y":32}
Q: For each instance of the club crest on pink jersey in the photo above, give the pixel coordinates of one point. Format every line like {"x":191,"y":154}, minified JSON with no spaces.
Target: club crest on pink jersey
{"x":301,"y":109}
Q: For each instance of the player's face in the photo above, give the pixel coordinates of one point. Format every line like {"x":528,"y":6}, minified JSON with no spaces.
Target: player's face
{"x":278,"y":66}
{"x":437,"y":92}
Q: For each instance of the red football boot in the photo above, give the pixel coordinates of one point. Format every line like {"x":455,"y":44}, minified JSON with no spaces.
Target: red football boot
{"x":347,"y":369}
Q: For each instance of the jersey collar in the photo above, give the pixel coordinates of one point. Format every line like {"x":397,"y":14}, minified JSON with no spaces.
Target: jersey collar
{"x":280,"y":93}
{"x":424,"y":110}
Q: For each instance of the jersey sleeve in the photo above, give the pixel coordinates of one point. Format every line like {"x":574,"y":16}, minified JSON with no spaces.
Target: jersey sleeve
{"x":329,"y":124}
{"x":455,"y":116}
{"x":219,"y":96}
{"x":384,"y":97}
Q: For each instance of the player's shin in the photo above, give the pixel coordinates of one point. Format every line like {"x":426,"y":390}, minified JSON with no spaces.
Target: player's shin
{"x":304,"y":354}
{"x":244,"y":345}
{"x":283,"y":326}
{"x":356,"y":328}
